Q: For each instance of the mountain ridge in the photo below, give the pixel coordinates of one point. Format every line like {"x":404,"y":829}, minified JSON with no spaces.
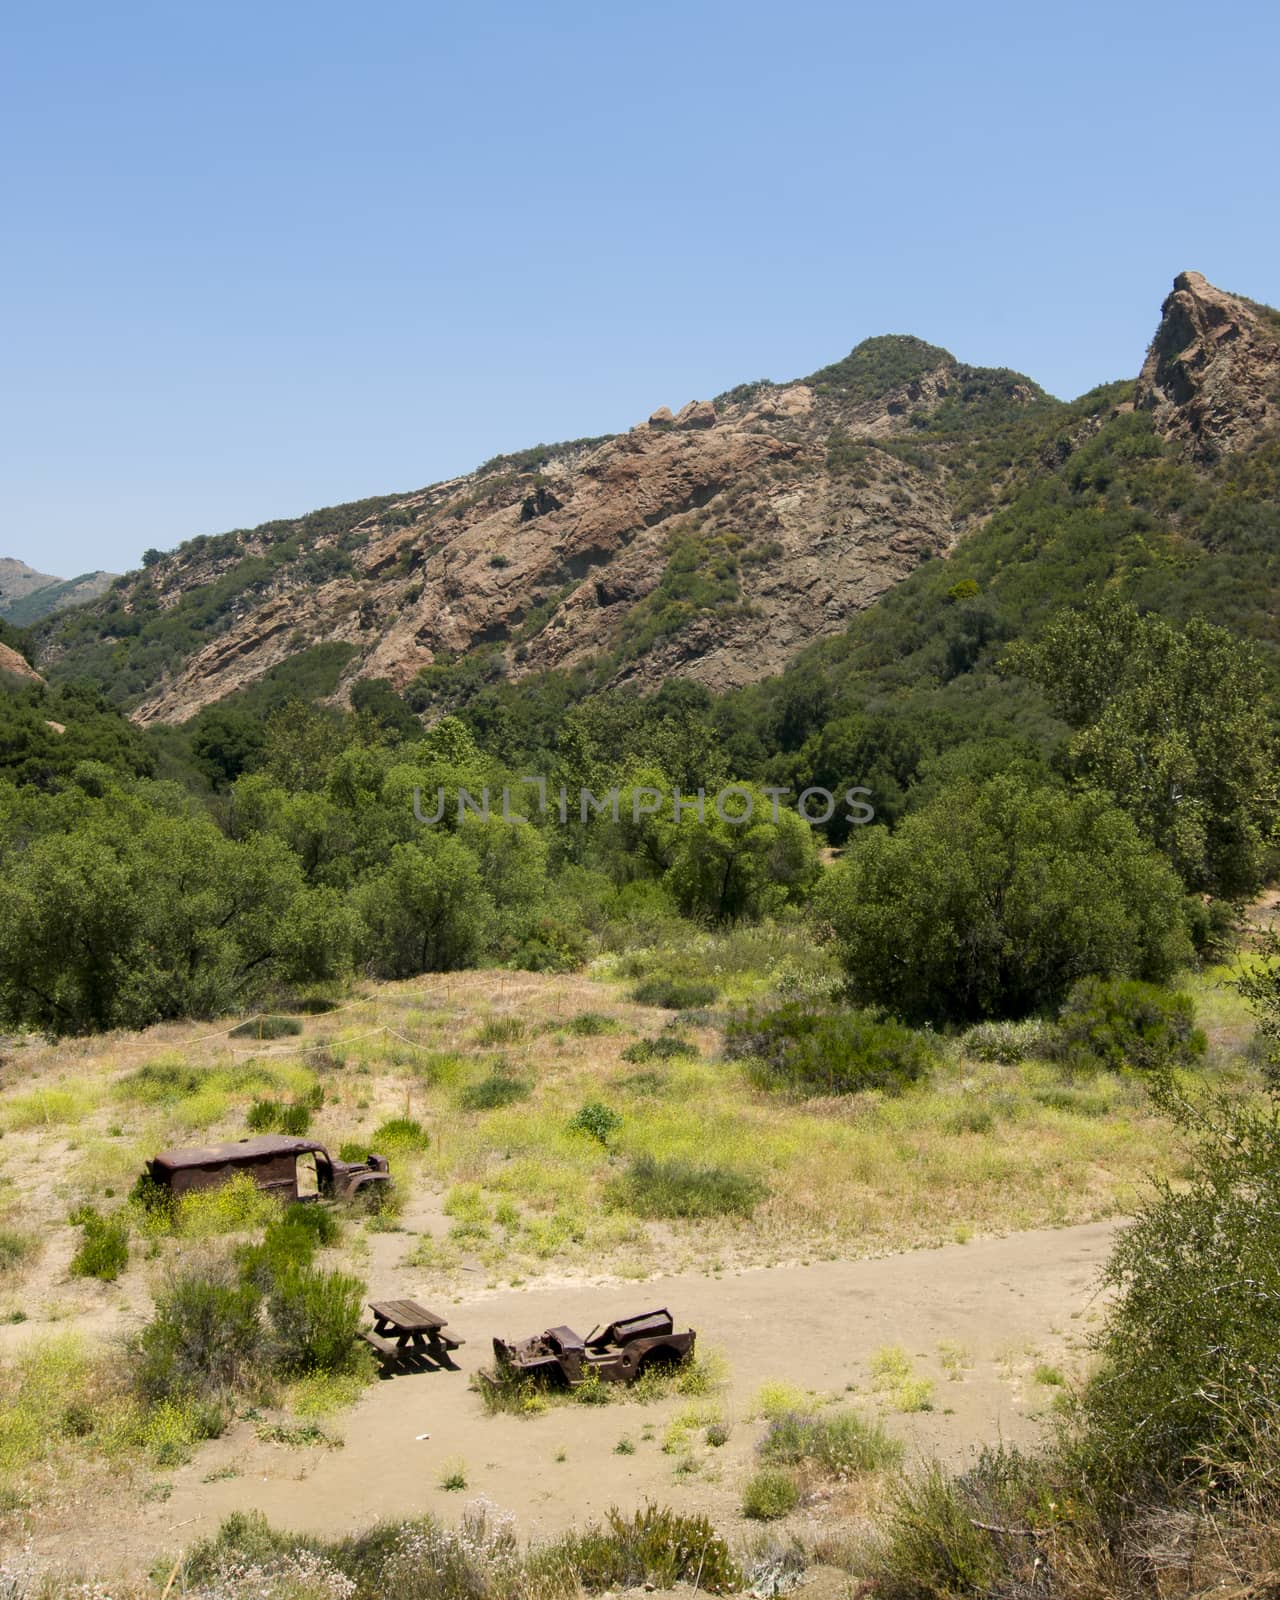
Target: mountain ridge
{"x":26,"y":596}
{"x":713,"y":543}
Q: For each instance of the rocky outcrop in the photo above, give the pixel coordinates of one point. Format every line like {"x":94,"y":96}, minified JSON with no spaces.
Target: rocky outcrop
{"x":563,"y":565}
{"x":712,"y":542}
{"x":12,"y":665}
{"x":1212,"y":374}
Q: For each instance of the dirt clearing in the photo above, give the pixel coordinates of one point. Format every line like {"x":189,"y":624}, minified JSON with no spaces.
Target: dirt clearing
{"x":983,"y":1329}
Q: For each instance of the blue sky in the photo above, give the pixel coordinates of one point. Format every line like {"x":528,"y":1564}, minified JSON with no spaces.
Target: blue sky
{"x":264,"y":258}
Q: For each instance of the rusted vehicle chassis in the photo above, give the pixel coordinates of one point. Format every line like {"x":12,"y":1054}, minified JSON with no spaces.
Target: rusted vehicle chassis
{"x":293,"y":1169}
{"x":617,"y":1353}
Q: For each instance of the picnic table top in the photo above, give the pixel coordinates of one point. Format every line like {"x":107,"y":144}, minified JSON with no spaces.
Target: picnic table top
{"x":407,"y":1315}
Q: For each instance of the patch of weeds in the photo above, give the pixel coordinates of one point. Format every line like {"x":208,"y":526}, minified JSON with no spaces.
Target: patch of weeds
{"x":453,"y":1475}
{"x":686,"y":1422}
{"x":16,"y":1249}
{"x":320,"y":1394}
{"x":504,"y":1392}
{"x":624,"y":1447}
{"x":590,"y":1025}
{"x":1052,"y":1377}
{"x":956,"y":1360}
{"x":893,"y":1377}
{"x":666,"y":1047}
{"x":315,"y":1317}
{"x":401,"y":1136}
{"x":703,"y":1373}
{"x":171,"y":1429}
{"x":645,"y":1083}
{"x":777,"y":1398}
{"x":500,"y":1030}
{"x":278,"y":1116}
{"x":674,"y":994}
{"x":298,"y":1435}
{"x":267,"y":1028}
{"x":104,"y":1245}
{"x":1075,"y":1102}
{"x":839,"y":1444}
{"x":769,"y":1494}
{"x":717,"y":1434}
{"x":654,"y":1548}
{"x":499,"y":1088}
{"x":594,"y":1391}
{"x":467,"y":1205}
{"x":676,"y":1187}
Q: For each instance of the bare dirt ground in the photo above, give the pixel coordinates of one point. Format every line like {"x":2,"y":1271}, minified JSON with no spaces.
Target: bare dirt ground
{"x":978,"y":1319}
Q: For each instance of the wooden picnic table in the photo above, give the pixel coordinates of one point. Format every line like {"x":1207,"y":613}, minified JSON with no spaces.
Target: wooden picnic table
{"x":404,"y":1333}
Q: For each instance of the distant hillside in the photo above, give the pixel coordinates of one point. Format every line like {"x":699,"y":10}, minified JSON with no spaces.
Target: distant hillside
{"x":26,"y":596}
{"x":709,"y":543}
{"x":720,"y":542}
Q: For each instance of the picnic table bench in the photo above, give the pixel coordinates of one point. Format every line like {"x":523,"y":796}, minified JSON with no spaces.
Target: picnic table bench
{"x":406,"y":1334}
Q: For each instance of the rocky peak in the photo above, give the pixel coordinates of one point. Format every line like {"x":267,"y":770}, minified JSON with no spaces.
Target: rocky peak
{"x":1212,"y":374}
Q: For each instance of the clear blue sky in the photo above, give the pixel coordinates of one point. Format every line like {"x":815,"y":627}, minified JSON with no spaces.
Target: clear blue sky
{"x":261,"y":258}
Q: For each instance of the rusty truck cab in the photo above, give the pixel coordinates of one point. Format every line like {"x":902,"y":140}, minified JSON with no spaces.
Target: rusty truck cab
{"x":292,"y":1168}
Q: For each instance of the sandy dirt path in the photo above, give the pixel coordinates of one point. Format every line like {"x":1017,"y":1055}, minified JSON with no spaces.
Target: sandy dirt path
{"x":1003,"y":1306}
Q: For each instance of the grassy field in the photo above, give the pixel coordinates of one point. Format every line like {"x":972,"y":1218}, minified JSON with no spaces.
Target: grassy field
{"x":539,"y":1127}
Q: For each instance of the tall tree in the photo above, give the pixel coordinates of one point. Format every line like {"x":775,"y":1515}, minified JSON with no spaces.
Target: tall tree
{"x":1176,"y":723}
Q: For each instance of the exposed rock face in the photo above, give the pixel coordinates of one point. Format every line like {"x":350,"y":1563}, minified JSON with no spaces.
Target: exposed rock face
{"x":1212,"y":374}
{"x":552,"y":574}
{"x":710,"y":543}
{"x":12,"y":665}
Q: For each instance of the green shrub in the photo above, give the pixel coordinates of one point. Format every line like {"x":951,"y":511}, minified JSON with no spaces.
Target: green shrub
{"x":599,"y":1122}
{"x":1006,"y":1042}
{"x":501,"y":1087}
{"x":1125,"y":1023}
{"x":655,"y":1547}
{"x":769,"y":1494}
{"x":675,"y":994}
{"x":288,"y":1244}
{"x":205,"y":1338}
{"x":680,"y":1188}
{"x":590,"y":1024}
{"x":267,"y":1028}
{"x":551,"y":944}
{"x":315,"y":1317}
{"x":810,"y":1051}
{"x":838,"y":1443}
{"x":666,"y":1047}
{"x":400,"y":1134}
{"x":934,"y":1543}
{"x":104,"y":1245}
{"x":323,"y":1224}
{"x":275,"y":1116}
{"x":993,"y":898}
{"x":1189,"y":1368}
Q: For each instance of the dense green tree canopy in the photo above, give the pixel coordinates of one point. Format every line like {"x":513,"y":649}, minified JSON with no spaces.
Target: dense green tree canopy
{"x":995,"y":897}
{"x":1172,"y":721}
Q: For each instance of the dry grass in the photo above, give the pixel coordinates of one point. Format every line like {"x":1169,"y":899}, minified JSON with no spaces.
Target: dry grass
{"x":982,"y":1148}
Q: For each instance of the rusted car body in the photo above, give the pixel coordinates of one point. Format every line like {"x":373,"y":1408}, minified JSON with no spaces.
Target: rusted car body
{"x":293,"y":1169}
{"x":617,"y":1353}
